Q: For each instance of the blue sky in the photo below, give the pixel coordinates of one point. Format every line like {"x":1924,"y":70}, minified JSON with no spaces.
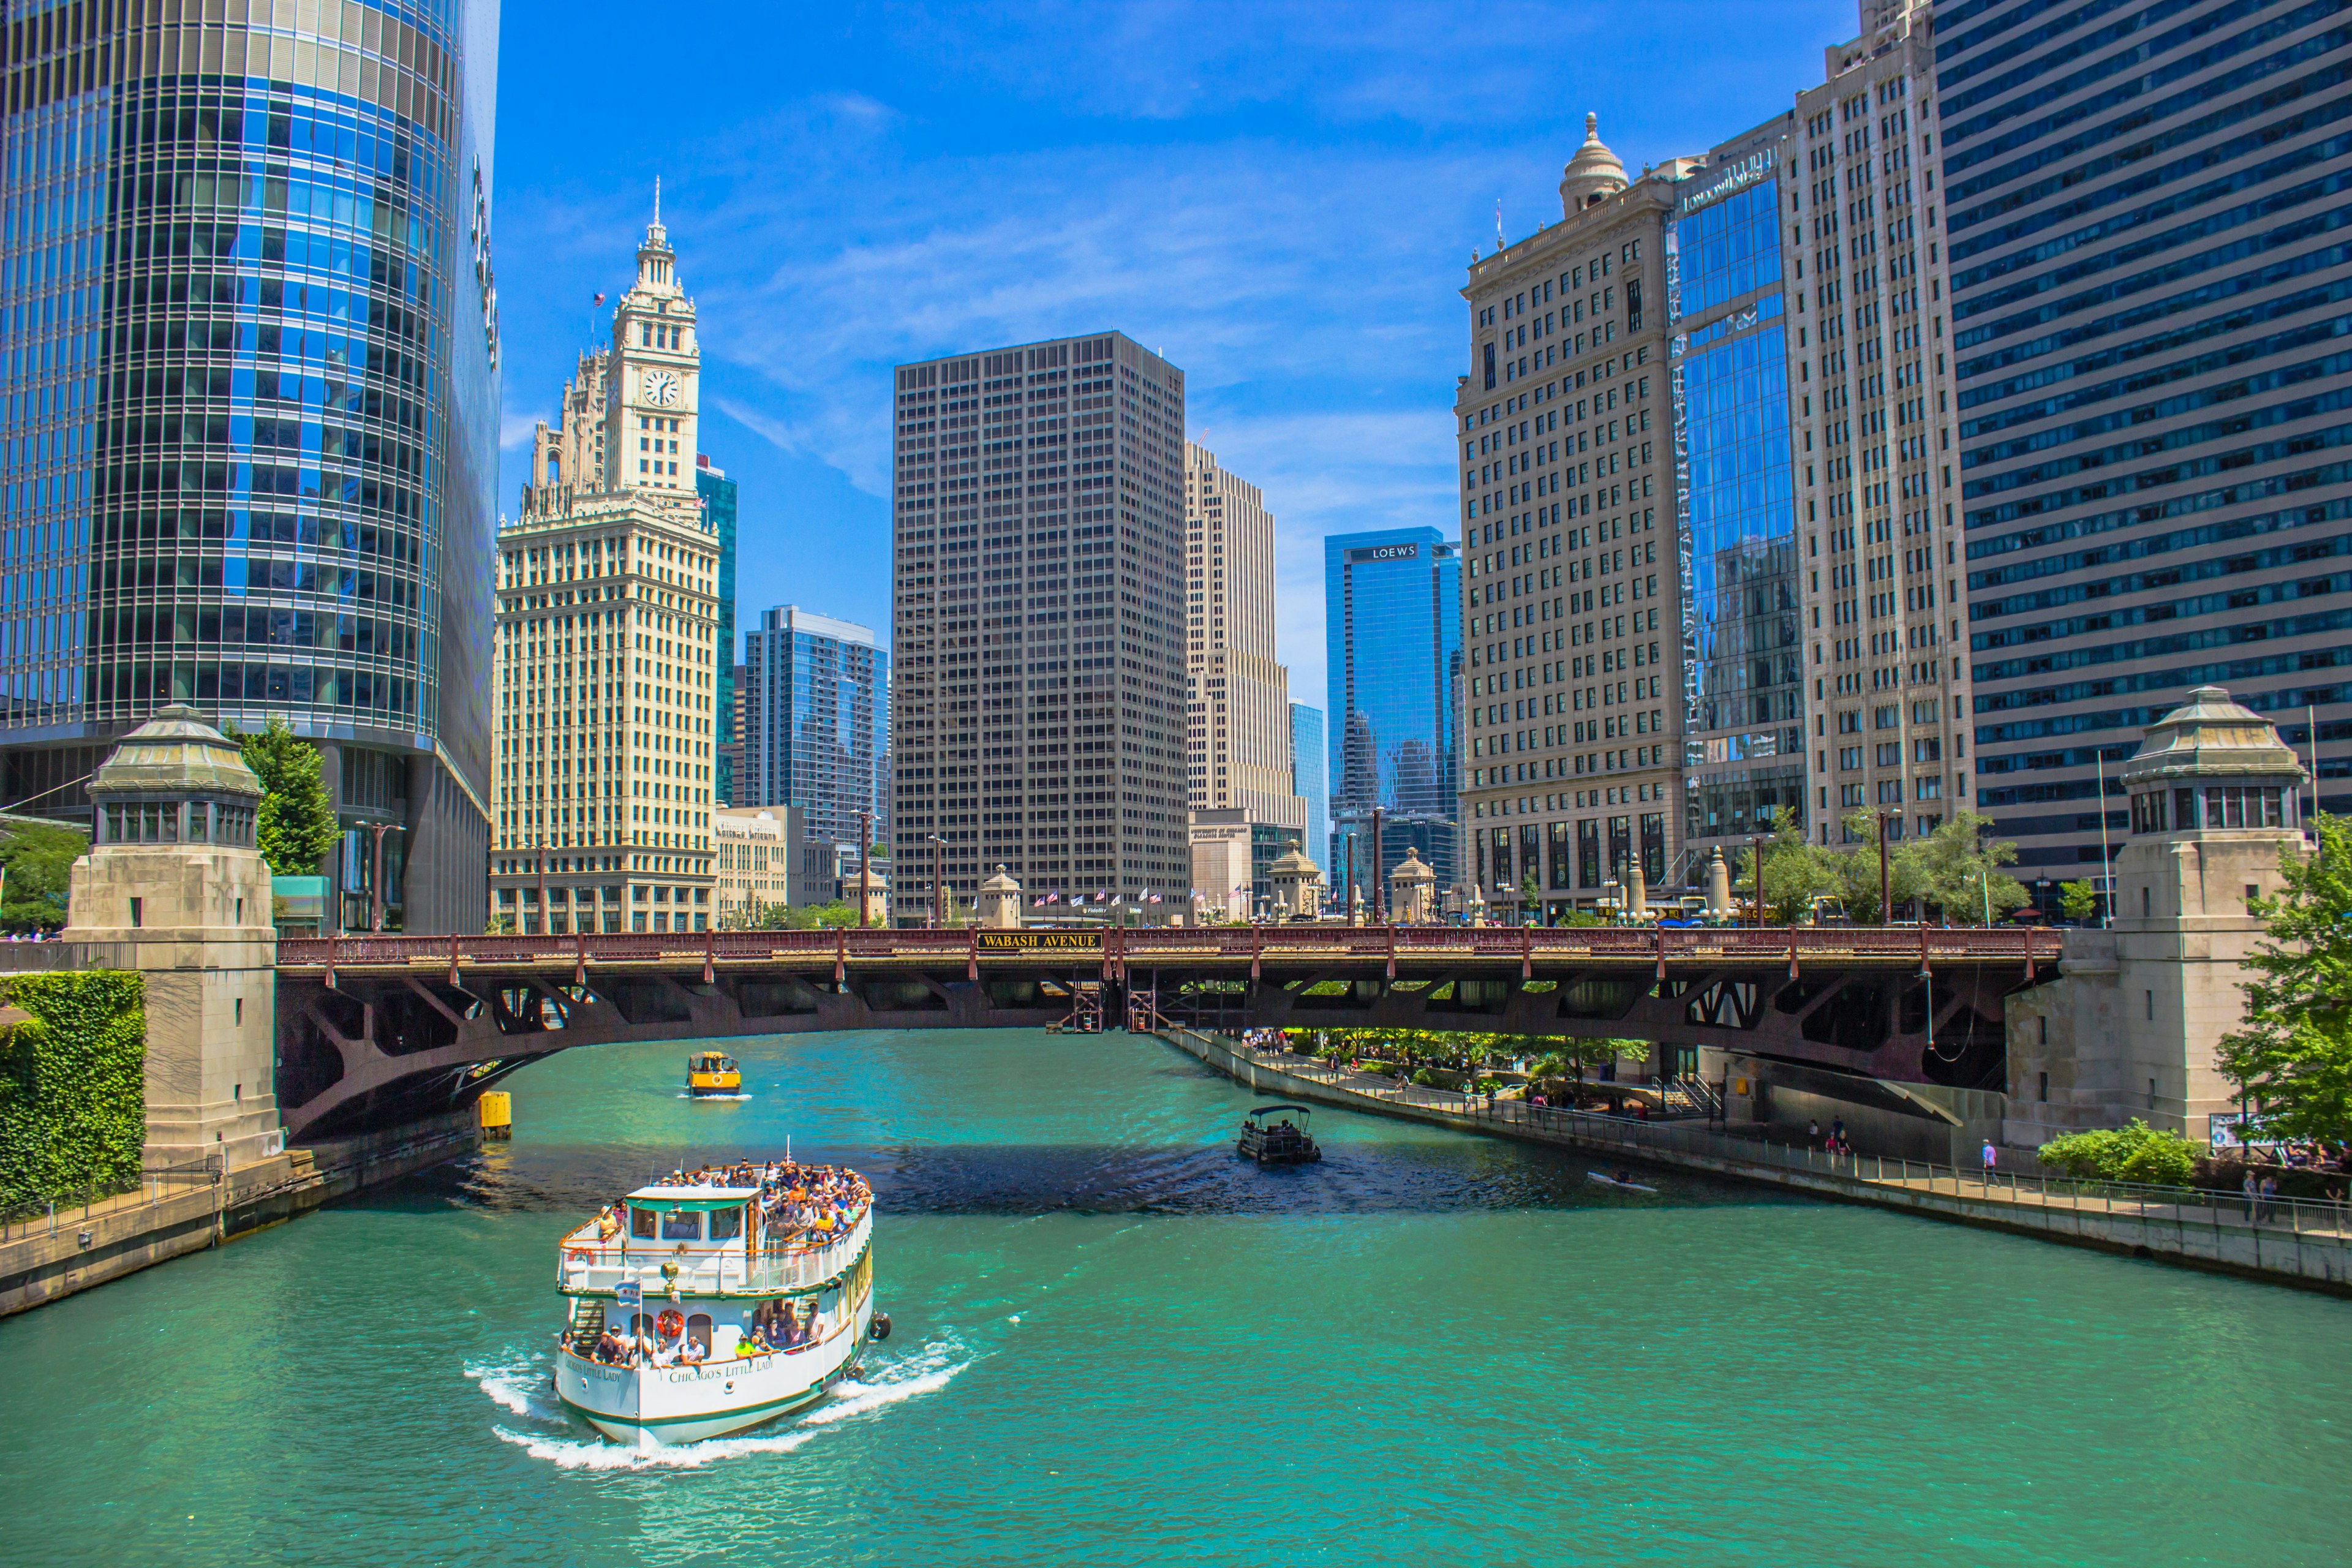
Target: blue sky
{"x":1281,"y":199}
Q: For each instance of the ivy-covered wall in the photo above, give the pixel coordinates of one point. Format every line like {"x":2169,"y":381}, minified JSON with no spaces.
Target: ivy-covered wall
{"x":73,"y":1096}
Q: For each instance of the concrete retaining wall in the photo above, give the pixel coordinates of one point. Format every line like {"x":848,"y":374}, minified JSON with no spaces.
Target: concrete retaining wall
{"x":132,"y":1236}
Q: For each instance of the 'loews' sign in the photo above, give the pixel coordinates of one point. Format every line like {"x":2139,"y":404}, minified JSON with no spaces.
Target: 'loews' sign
{"x":1384,"y":553}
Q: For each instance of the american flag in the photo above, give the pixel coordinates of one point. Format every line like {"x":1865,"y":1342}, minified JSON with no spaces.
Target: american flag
{"x":597,"y":301}
{"x":1053,"y":898}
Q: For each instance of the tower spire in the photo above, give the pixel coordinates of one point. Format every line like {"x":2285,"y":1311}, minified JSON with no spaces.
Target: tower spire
{"x":657,"y":201}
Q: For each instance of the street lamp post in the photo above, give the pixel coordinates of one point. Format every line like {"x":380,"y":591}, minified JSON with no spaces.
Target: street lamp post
{"x":2042,"y":899}
{"x":1380,"y":888}
{"x":1349,"y":905}
{"x":865,"y":863}
{"x":1758,"y":843}
{"x":939,"y":910}
{"x":1885,"y":911}
{"x":375,"y":882}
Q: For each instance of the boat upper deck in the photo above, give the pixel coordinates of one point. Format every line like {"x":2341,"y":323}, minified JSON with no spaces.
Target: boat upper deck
{"x":793,"y":1229}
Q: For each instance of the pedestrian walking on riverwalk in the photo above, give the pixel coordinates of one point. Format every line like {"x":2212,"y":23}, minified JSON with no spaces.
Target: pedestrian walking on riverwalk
{"x":1991,"y":1160}
{"x":1814,"y":1134}
{"x":2252,"y":1199}
{"x":2268,"y":1207}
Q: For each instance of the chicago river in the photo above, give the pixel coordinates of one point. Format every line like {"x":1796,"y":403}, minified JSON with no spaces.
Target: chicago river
{"x":1114,"y":1342}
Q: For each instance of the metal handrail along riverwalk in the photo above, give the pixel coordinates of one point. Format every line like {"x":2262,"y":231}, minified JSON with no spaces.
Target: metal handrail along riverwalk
{"x":2297,"y":1239}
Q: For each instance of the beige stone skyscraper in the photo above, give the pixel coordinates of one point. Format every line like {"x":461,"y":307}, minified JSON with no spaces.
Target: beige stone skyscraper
{"x":604,"y":680}
{"x":1237,"y":745}
{"x":1870,"y":415}
{"x":1571,"y":594}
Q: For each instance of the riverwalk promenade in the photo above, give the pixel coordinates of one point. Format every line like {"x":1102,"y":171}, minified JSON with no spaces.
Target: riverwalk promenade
{"x":2283,"y":1240}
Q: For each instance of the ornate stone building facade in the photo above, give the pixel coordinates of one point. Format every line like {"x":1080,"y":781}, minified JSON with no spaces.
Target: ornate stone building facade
{"x":607,"y":685}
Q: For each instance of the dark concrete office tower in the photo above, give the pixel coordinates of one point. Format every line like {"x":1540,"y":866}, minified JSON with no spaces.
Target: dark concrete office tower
{"x":2143,"y":209}
{"x":251,"y":406}
{"x":1038,"y":623}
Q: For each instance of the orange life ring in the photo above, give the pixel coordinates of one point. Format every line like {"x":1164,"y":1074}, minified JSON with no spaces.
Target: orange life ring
{"x":579,"y":1255}
{"x":671,"y":1324}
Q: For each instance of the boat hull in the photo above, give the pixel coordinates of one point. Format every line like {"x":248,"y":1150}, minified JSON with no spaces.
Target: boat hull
{"x":649,"y":1408}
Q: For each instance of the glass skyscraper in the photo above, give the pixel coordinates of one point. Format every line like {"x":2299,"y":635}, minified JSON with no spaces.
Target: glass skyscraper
{"x":2145,"y":219}
{"x":1742,"y":665}
{"x":718,"y":493}
{"x":1309,"y":781}
{"x":1393,"y":632}
{"x":251,"y":415}
{"x":815,"y":719}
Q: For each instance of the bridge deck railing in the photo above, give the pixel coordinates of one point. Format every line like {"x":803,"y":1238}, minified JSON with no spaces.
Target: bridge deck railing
{"x":1876,"y":945}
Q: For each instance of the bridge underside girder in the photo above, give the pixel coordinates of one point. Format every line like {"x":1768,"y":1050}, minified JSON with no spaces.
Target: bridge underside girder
{"x":386,"y":1044}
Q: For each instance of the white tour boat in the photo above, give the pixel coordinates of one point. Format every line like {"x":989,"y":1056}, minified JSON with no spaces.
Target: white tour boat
{"x":701,"y":1312}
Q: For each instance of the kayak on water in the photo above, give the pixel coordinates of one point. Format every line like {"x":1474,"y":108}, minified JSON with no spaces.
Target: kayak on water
{"x":1622,"y":1180}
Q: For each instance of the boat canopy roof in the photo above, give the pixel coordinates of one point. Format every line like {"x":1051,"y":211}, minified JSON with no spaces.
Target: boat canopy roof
{"x":1270,"y":1110}
{"x":691,"y":1197}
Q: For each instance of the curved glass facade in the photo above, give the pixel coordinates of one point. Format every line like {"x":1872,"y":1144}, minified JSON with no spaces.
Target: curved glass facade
{"x":250,"y":405}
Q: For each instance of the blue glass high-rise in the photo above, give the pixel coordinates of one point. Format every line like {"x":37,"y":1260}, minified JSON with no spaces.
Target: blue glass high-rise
{"x":816,"y":720}
{"x":1393,"y":629}
{"x":251,"y":409}
{"x":1309,"y":782}
{"x":1742,"y":658}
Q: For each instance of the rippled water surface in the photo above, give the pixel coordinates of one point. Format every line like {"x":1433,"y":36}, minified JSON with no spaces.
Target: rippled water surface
{"x":1117,"y":1344}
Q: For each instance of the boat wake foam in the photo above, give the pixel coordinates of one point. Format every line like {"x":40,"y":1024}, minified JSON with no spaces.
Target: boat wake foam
{"x":724,"y":1099}
{"x":517,"y":1385}
{"x":510,"y":1386}
{"x":594,"y":1454}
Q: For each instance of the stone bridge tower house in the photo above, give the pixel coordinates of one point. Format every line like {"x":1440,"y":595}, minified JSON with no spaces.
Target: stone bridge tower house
{"x":2132,"y":1025}
{"x":173,"y":888}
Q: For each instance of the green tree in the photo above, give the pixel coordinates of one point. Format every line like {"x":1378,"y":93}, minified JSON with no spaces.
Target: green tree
{"x":38,"y":858}
{"x":1956,"y":869}
{"x":1858,"y":871}
{"x":2293,"y":1056}
{"x":296,"y":826}
{"x":2135,"y":1154}
{"x":2079,"y":901}
{"x":1795,"y":872}
{"x":1530,"y":893}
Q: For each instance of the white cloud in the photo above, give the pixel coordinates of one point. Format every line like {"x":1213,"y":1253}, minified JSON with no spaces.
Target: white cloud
{"x":516,"y":429}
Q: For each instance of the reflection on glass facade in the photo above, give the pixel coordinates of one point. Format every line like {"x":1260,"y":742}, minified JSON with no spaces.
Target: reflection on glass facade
{"x":1306,"y":781}
{"x":1394,"y":643}
{"x":250,"y":405}
{"x":815,"y":718}
{"x":1742,"y":665}
{"x":718,"y":493}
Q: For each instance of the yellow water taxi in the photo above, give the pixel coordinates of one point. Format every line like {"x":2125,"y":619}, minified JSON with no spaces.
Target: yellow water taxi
{"x":708,"y":1072}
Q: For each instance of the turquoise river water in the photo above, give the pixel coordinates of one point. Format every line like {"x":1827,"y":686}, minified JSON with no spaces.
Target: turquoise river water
{"x":1115,"y":1343}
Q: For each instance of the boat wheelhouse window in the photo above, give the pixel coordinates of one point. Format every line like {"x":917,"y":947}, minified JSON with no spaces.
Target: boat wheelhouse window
{"x":681,"y":1224}
{"x":697,"y":1330}
{"x":643,"y":1224}
{"x":726,"y":1224}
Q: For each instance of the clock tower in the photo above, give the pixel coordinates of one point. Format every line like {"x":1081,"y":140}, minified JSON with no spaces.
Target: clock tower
{"x":651,"y":411}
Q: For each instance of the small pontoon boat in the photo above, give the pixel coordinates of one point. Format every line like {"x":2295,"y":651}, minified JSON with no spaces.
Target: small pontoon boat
{"x":1283,"y":1142}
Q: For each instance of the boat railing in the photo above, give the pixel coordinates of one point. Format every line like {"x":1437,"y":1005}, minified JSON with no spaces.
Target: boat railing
{"x":590,"y":1264}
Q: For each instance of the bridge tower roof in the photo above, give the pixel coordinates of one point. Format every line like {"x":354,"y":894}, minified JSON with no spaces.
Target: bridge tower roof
{"x":175,"y":754}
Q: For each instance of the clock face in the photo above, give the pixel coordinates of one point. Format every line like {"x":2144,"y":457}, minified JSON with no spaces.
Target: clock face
{"x":661,"y":388}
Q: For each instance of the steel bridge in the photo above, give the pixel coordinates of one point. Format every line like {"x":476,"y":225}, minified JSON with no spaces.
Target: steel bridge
{"x":377,"y":1030}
